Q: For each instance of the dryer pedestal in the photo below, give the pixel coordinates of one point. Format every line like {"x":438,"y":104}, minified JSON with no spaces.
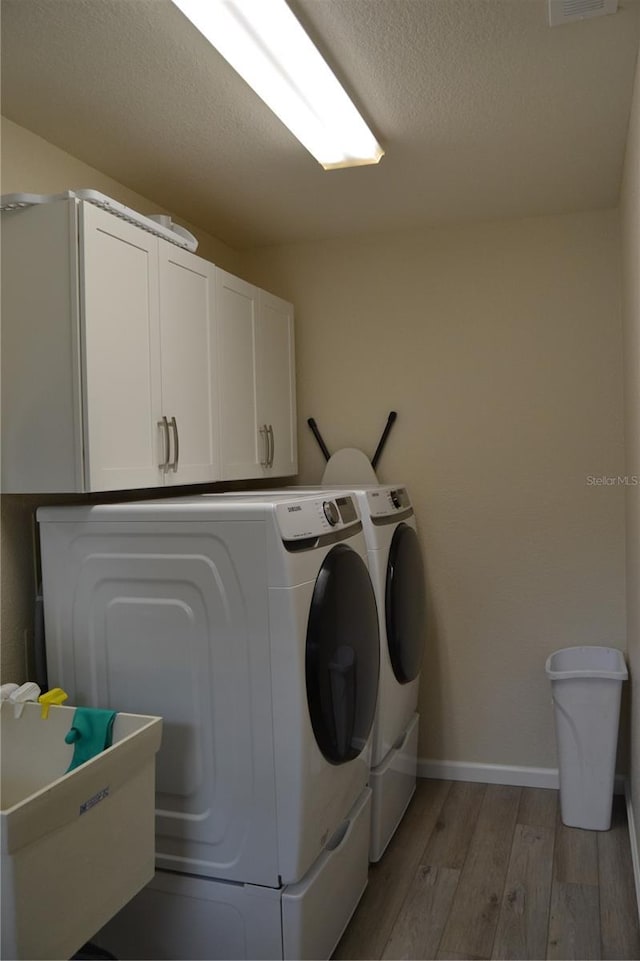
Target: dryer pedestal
{"x":179,"y":916}
{"x":393,"y":783}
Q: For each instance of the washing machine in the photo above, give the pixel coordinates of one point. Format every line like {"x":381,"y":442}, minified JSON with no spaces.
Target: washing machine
{"x":397,"y":572}
{"x":250,"y":624}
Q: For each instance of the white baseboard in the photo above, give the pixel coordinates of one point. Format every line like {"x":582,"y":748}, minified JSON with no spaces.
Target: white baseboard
{"x":633,"y":841}
{"x":497,"y":774}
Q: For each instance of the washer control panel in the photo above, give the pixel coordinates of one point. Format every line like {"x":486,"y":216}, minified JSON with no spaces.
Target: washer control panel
{"x":306,"y":517}
{"x":388,"y":500}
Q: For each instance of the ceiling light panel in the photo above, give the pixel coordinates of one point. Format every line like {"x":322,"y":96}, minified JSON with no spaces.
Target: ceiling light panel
{"x":264,"y":42}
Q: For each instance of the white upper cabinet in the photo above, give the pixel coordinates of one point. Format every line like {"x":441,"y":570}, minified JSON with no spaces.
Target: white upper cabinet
{"x":241,"y":450}
{"x":275,"y":380}
{"x":188,"y":364}
{"x":129,"y":362}
{"x":120,"y":345}
{"x":149,"y":331}
{"x":256,"y":379}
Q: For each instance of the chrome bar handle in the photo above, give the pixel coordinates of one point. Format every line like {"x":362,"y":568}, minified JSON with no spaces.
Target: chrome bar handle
{"x":176,"y":445}
{"x":272,"y":446}
{"x":164,"y":424}
{"x":265,"y":435}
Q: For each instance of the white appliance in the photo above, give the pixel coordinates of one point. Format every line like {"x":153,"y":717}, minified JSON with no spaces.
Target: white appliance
{"x":249,"y":623}
{"x":397,"y":573}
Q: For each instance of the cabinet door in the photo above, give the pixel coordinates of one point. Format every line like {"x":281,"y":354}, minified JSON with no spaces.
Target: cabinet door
{"x":187,"y":347}
{"x":275,"y":376}
{"x":242,"y":444}
{"x":120,"y":343}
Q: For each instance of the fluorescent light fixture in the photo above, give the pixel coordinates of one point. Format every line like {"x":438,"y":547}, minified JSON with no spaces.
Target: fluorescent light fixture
{"x":265,"y":44}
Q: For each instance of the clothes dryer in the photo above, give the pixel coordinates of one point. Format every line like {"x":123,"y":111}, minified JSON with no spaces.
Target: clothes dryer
{"x":250,"y":624}
{"x":397,"y":573}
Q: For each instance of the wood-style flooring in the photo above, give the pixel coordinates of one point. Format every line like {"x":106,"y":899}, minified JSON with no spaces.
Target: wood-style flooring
{"x":481,"y":871}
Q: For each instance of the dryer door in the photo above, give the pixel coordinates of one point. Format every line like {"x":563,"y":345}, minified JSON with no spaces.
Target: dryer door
{"x":405,"y":607}
{"x":342,"y":656}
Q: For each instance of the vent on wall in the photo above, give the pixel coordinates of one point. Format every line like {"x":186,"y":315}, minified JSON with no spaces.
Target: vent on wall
{"x":564,"y":11}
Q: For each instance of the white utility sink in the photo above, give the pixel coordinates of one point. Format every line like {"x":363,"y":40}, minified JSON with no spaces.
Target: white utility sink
{"x":75,"y":847}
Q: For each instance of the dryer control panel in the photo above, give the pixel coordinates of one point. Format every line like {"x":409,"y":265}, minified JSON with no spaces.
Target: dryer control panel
{"x":307,"y":517}
{"x":387,"y":501}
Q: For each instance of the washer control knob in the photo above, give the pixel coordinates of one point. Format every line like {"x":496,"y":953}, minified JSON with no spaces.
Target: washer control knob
{"x":395,"y":499}
{"x":331,"y":512}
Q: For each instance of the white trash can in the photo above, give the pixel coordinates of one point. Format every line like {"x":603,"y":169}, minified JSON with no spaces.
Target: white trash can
{"x":586,"y":683}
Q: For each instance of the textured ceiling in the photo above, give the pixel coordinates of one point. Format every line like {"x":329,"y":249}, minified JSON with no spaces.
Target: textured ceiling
{"x":484,"y":111}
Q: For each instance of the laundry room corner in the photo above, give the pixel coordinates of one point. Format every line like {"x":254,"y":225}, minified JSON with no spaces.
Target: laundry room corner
{"x":500,"y":347}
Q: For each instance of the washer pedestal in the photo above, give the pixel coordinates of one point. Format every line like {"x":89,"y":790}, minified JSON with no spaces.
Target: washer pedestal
{"x":393,"y":783}
{"x":179,"y":916}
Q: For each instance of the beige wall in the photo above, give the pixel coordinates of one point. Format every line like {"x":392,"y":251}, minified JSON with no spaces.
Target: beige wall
{"x":630,"y":211}
{"x":500,"y":347}
{"x":31,"y":165}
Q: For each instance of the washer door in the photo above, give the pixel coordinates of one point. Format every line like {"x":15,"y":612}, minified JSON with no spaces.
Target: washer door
{"x":405,"y":606}
{"x":342,"y":656}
